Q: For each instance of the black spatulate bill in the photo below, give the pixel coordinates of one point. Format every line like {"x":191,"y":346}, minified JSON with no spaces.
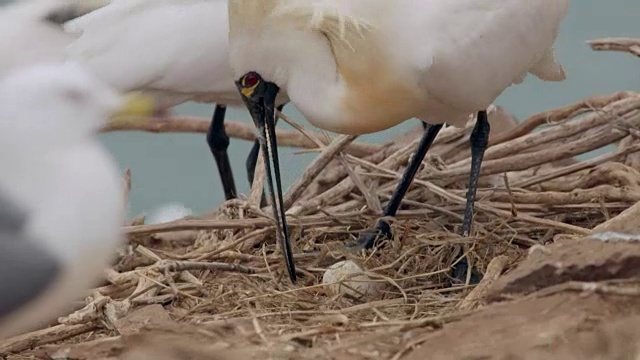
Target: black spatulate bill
{"x":260,"y":97}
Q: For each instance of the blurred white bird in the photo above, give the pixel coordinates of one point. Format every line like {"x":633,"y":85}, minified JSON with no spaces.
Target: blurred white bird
{"x":168,"y":212}
{"x":31,"y":30}
{"x":174,"y":50}
{"x":60,"y":190}
{"x":362,"y":66}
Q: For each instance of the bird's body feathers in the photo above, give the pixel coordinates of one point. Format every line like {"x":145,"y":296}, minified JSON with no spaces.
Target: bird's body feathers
{"x":30,"y":31}
{"x":162,"y":47}
{"x":63,"y":180}
{"x":376,"y":63}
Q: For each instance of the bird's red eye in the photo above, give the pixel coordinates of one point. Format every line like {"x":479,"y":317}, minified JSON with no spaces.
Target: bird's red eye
{"x":251,"y":80}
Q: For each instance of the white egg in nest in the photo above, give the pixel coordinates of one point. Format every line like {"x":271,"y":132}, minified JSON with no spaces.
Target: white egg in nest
{"x":348,"y":278}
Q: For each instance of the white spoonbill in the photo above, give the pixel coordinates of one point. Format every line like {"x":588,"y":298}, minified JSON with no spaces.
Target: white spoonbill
{"x":361,"y":66}
{"x":174,"y":50}
{"x":60,"y":192}
{"x":31,"y":31}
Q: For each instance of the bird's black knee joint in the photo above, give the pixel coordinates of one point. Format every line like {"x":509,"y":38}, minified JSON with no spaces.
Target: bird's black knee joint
{"x":218,"y":141}
{"x":480,"y":135}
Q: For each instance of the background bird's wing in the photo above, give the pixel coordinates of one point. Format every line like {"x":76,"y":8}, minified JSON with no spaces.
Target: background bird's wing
{"x":12,"y":215}
{"x":31,"y":31}
{"x":135,"y":44}
{"x":26,"y":267}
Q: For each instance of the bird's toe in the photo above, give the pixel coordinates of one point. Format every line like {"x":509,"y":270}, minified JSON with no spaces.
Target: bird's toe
{"x":459,"y":273}
{"x":372,"y":237}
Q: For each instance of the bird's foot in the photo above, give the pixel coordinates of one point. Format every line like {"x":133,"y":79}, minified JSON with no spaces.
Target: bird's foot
{"x":372,"y":237}
{"x":459,"y":273}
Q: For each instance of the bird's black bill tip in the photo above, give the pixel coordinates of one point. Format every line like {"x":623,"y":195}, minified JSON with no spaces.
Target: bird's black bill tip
{"x":270,"y":151}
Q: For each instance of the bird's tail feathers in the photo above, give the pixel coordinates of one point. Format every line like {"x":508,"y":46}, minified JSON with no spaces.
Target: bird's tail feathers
{"x":548,"y":68}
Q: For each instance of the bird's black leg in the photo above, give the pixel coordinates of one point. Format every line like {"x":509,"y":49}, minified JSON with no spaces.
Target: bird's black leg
{"x":479,"y":140}
{"x":252,"y":160}
{"x":218,"y":141}
{"x":369,"y":238}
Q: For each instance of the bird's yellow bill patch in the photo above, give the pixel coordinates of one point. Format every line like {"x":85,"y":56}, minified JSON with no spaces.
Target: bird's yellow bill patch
{"x":137,"y":104}
{"x":247,"y":92}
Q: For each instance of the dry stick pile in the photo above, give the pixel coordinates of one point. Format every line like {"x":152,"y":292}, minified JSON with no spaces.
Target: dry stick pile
{"x":224,"y":268}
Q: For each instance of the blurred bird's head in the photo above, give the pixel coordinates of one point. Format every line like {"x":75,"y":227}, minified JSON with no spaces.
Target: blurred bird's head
{"x":61,"y":103}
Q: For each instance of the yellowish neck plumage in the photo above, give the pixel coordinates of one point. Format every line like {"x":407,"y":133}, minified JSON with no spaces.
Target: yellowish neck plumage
{"x":378,"y":95}
{"x":249,"y":15}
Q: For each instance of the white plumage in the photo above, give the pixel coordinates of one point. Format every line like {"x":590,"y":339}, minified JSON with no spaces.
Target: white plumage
{"x":168,"y":212}
{"x":68,"y":186}
{"x":363,"y":66}
{"x":30,"y":31}
{"x":174,"y":50}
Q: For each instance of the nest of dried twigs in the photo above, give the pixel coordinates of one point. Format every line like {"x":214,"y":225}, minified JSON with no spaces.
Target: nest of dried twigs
{"x":224,"y":272}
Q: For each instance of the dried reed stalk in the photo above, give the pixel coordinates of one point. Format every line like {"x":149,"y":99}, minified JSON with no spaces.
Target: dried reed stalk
{"x":629,"y":45}
{"x":235,"y":129}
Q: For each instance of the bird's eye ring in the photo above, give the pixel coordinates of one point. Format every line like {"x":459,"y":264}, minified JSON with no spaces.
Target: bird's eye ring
{"x":250,"y":80}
